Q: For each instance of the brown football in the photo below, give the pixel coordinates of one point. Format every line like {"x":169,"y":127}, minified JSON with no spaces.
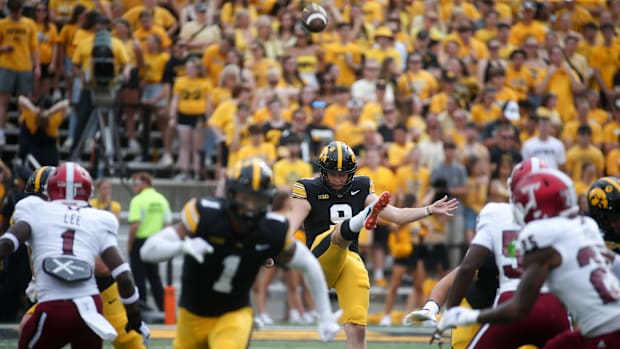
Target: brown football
{"x":314,"y":18}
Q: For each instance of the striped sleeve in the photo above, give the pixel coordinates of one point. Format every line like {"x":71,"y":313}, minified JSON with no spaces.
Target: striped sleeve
{"x":191,"y":216}
{"x":299,"y":191}
{"x":371,"y":186}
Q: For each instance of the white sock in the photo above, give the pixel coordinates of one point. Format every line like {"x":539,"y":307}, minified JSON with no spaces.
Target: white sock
{"x":378,"y":274}
{"x":357,"y":222}
{"x":432,"y":307}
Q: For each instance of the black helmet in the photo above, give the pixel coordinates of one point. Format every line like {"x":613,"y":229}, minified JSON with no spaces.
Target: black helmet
{"x":251,"y":176}
{"x":37,"y":182}
{"x":337,"y":157}
{"x":604,"y":204}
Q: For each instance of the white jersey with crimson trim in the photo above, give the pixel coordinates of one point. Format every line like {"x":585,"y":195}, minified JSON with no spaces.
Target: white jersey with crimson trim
{"x":65,"y":229}
{"x":583,"y":281}
{"x":497,"y":232}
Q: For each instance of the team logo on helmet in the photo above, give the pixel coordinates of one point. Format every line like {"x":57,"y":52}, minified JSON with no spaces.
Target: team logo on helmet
{"x":598,"y":198}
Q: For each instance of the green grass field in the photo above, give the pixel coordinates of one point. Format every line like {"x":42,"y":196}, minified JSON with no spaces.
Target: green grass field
{"x":286,"y":337}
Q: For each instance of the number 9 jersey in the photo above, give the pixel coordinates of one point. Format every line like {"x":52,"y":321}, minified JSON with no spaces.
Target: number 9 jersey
{"x":330,"y":208}
{"x":226,"y":276}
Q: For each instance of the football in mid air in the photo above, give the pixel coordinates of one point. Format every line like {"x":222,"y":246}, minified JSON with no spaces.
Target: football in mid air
{"x":314,"y":18}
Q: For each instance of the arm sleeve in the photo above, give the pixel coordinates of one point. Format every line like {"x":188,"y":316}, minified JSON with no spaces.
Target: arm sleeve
{"x":162,"y":246}
{"x":304,"y":261}
{"x":191,"y":216}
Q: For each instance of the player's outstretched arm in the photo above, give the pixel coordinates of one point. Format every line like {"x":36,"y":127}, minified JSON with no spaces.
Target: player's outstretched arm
{"x":129,"y":295}
{"x":474,"y":259}
{"x":174,"y":241}
{"x":405,"y":215}
{"x":436,"y":298}
{"x":536,"y":267}
{"x":299,"y":257}
{"x":17,"y":234}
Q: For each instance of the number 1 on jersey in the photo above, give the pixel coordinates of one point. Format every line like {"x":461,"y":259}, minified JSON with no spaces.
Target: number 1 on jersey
{"x":67,"y":241}
{"x":224,"y":283}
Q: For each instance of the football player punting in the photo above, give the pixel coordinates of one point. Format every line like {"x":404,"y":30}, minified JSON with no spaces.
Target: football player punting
{"x":238,"y":234}
{"x":66,"y":236}
{"x":566,"y":251}
{"x":329,"y":208}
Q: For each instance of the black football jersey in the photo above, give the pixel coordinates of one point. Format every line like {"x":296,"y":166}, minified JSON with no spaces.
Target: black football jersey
{"x":328,"y":207}
{"x":223,"y":282}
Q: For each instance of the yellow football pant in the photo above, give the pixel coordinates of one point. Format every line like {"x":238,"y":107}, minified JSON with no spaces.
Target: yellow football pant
{"x":114,"y":312}
{"x":229,"y":331}
{"x":345,"y":271}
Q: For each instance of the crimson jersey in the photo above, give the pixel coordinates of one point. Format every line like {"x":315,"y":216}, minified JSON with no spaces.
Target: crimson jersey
{"x":226,"y":276}
{"x":328,"y":207}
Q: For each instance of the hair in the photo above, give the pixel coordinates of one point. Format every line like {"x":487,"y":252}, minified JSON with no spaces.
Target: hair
{"x":196,"y":61}
{"x":91,"y":20}
{"x":76,"y":13}
{"x":101,"y":181}
{"x":279,"y":200}
{"x":144,"y":177}
{"x":14,"y":5}
{"x":46,"y":19}
{"x":44,"y":102}
{"x":125,"y":22}
{"x":228,"y":70}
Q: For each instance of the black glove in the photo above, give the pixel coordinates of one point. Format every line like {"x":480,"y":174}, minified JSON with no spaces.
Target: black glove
{"x":134,"y":321}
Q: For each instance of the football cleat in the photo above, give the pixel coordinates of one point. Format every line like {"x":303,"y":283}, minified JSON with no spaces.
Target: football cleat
{"x":377,"y":207}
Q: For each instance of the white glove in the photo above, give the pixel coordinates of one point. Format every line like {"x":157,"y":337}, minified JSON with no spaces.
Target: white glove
{"x":328,"y":328}
{"x":146,"y":334}
{"x":31,"y":291}
{"x":457,"y":316}
{"x":421,"y":315}
{"x":197,"y":247}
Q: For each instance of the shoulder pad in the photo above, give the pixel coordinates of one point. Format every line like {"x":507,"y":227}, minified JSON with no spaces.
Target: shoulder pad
{"x":27,"y":208}
{"x":491,"y":212}
{"x":540,"y":234}
{"x":108,"y":221}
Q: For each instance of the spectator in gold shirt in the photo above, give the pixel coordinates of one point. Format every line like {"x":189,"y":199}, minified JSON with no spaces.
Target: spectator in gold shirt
{"x":103,"y":200}
{"x":19,"y":57}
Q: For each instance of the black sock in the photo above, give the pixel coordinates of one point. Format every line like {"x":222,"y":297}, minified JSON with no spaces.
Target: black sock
{"x":346,"y":231}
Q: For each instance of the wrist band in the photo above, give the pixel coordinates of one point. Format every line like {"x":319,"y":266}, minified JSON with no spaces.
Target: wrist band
{"x":9,"y":236}
{"x":120,"y":269}
{"x":133,"y":298}
{"x":427,"y":211}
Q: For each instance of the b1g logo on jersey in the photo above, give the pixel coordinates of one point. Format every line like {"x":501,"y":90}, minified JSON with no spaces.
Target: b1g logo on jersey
{"x":323,"y":197}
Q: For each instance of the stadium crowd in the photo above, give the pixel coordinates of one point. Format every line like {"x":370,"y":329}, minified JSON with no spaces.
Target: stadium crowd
{"x":434,"y":97}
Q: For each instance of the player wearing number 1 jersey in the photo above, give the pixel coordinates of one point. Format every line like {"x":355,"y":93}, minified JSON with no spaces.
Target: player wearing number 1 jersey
{"x":327,"y":207}
{"x":238,"y":234}
{"x":568,"y":252}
